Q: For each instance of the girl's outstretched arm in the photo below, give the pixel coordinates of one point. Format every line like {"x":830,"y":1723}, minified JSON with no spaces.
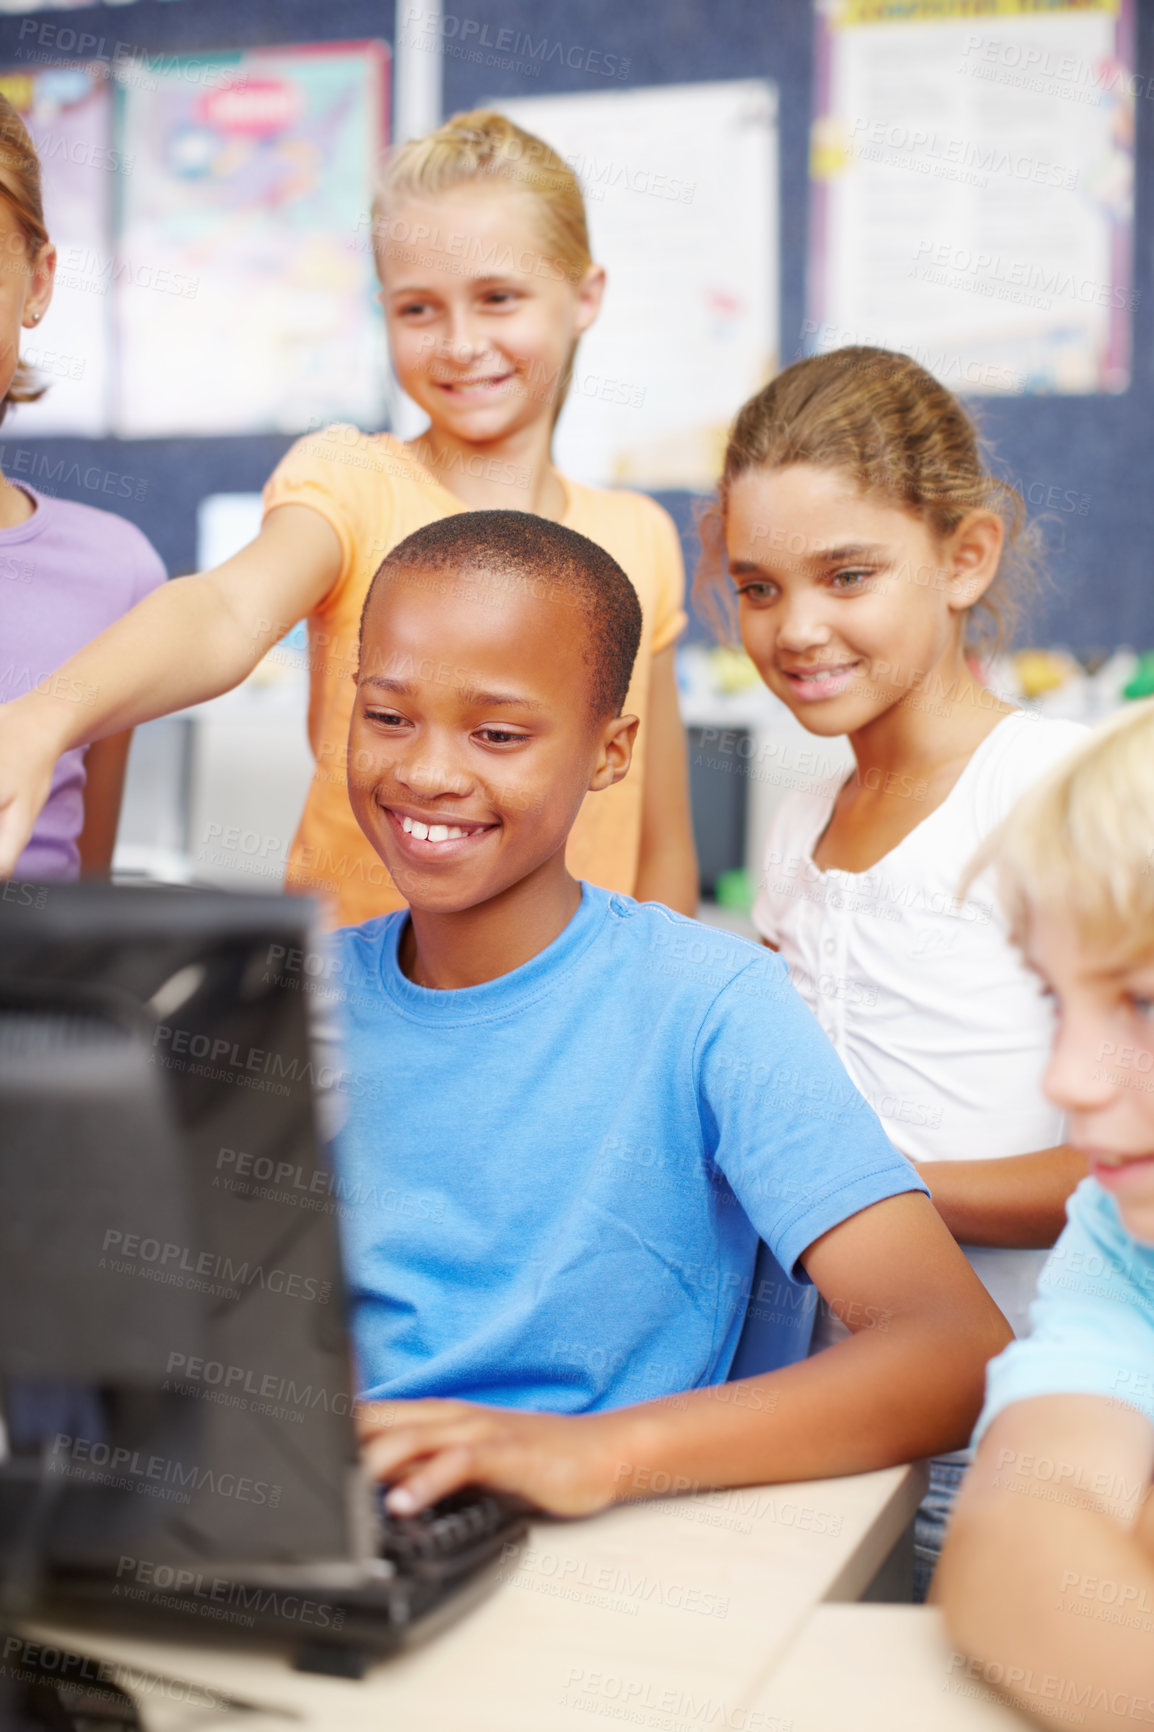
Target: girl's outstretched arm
{"x":667,"y":868}
{"x":188,"y":641}
{"x":1015,"y":1201}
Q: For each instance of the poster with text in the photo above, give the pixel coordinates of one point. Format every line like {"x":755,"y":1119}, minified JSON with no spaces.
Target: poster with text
{"x":680,"y":183}
{"x":244,"y":275}
{"x":972,"y":174}
{"x":68,"y":113}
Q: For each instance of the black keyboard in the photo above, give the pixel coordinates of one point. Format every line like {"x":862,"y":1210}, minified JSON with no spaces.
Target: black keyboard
{"x":432,"y":1567}
{"x":450,"y":1539}
{"x":440,"y":1562}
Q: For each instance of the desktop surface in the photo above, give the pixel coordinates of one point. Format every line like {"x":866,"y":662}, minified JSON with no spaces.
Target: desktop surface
{"x":881,"y":1669}
{"x":668,"y":1609}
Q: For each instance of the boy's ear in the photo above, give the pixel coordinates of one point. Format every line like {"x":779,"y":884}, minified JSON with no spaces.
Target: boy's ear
{"x":615,"y":751}
{"x":975,"y":552}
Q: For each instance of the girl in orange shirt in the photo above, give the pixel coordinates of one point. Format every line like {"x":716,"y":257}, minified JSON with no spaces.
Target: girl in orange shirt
{"x":487,"y":284}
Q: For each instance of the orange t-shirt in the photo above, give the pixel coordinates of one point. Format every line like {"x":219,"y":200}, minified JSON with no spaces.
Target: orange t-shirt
{"x":374,"y":492}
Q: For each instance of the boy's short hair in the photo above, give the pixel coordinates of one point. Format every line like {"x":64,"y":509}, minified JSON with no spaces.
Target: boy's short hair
{"x":540,"y":558}
{"x":1080,"y":843}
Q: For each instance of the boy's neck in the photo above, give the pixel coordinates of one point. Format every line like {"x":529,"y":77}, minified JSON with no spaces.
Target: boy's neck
{"x":468,"y":948}
{"x":514,"y":474}
{"x":942,"y":719}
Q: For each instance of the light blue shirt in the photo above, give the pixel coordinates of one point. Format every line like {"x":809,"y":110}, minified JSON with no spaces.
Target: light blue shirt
{"x":1093,"y":1318}
{"x":560,"y":1176}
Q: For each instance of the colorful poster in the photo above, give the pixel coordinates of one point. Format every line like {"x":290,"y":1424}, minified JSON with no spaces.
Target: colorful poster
{"x":245,"y":285}
{"x":680,"y":184}
{"x":972,"y":188}
{"x":68,"y":113}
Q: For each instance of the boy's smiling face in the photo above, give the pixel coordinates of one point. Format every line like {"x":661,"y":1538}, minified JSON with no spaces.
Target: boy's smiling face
{"x":1101,"y":1072}
{"x":472,"y":741}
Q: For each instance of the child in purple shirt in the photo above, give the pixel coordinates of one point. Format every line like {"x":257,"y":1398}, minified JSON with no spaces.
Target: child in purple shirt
{"x":66,"y":571}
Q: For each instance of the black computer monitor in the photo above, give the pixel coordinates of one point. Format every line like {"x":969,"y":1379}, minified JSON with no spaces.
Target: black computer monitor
{"x":175,"y":1379}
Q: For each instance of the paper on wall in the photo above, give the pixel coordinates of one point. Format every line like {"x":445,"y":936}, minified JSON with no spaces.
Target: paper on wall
{"x":680,"y":184}
{"x":972,"y":173}
{"x":245,"y":295}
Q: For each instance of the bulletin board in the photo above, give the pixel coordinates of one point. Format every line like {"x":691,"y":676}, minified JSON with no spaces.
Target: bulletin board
{"x":1082,"y":460}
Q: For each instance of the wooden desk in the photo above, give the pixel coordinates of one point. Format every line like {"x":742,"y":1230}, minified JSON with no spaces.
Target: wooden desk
{"x":654,"y":1613}
{"x":877,"y":1669}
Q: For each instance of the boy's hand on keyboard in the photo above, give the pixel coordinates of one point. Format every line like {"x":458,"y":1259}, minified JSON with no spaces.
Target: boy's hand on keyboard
{"x":425,"y":1449}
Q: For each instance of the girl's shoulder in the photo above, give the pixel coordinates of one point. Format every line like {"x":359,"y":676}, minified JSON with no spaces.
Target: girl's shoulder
{"x":642,"y":538}
{"x":357,"y":480}
{"x":798,"y":821}
{"x":344,"y":446}
{"x":1021,"y":749}
{"x":73,"y":534}
{"x":615,"y":506}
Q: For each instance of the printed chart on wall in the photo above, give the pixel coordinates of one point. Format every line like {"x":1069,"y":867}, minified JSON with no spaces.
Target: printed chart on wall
{"x":68,"y":113}
{"x":680,"y":185}
{"x":245,"y":271}
{"x":972,"y":176}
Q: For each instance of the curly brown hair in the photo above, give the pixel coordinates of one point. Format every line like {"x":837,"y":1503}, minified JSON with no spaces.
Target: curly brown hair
{"x":896,"y":432}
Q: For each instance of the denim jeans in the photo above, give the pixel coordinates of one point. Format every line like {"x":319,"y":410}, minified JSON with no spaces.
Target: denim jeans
{"x":931,"y":1522}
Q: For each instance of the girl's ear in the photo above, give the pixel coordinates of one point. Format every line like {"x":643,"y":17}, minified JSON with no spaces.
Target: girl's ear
{"x":974,"y":553}
{"x":590,"y":290}
{"x":41,"y":277}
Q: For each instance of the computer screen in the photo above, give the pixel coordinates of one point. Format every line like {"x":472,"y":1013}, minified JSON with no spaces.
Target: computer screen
{"x":175,"y":1376}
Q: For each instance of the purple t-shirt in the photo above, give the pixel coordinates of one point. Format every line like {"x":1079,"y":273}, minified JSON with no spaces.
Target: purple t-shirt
{"x":66,"y":573}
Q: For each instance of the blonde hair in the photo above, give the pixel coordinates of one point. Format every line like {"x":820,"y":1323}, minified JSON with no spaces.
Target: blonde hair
{"x":1079,"y":844}
{"x":485,"y":146}
{"x":20,"y":190}
{"x":891,"y":428}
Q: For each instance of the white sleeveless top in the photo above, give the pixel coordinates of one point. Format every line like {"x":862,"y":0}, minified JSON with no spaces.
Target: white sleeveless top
{"x":932,"y":1011}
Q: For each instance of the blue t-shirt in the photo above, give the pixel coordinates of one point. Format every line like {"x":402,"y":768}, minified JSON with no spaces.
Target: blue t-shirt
{"x":1093,"y":1319}
{"x":553,"y":1183}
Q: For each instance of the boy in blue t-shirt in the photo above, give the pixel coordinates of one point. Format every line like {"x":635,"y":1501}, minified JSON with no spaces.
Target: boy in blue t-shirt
{"x":1048,"y":1573}
{"x":571,"y":1115}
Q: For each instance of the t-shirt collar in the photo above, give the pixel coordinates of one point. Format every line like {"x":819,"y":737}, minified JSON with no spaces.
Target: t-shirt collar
{"x":34,"y":524}
{"x":508,"y":992}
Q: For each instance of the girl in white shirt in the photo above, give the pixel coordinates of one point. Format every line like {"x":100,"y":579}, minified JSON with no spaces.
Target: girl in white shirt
{"x":864,"y":541}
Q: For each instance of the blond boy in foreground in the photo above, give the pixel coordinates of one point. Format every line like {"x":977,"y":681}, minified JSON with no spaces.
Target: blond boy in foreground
{"x":1047,"y":1577}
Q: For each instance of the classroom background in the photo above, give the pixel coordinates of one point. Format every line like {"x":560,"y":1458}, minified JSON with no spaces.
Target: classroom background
{"x":964,"y":182}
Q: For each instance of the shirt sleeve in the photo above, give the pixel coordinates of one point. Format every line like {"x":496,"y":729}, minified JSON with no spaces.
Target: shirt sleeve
{"x":1040,"y":744}
{"x":1093,"y":1319}
{"x":781,"y":866}
{"x":327,"y":472}
{"x":670,"y":618}
{"x":801,"y":1149}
